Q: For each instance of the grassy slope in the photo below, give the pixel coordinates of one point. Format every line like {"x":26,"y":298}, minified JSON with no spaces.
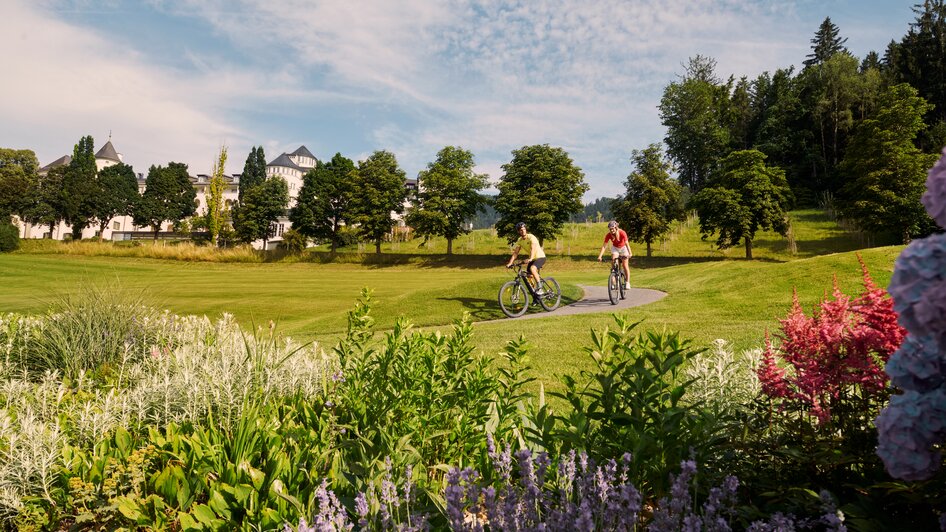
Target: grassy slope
{"x":713,"y":294}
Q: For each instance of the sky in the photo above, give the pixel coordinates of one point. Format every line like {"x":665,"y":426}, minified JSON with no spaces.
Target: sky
{"x":176,"y":80}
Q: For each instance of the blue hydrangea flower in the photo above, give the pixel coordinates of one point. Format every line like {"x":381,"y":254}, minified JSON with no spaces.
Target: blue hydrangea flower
{"x":918,"y":287}
{"x":917,"y":365}
{"x":934,"y":199}
{"x":907,"y":431}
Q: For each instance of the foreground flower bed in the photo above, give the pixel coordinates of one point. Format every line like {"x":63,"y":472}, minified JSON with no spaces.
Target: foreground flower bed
{"x":114,"y":415}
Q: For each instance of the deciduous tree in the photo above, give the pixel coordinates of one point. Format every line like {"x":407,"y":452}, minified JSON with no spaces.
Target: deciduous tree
{"x":743,"y":196}
{"x":216,"y":214}
{"x":542,"y":187}
{"x":449,"y":196}
{"x":379,"y":191}
{"x":323,"y":205}
{"x":169,"y":196}
{"x":79,"y":188}
{"x":691,"y":110}
{"x":652,"y":199}
{"x":18,"y":181}
{"x":117,"y":193}
{"x":255,"y":217}
{"x":886,"y":172}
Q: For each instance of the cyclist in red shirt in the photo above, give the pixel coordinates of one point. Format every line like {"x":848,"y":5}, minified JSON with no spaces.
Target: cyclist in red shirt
{"x":619,"y":248}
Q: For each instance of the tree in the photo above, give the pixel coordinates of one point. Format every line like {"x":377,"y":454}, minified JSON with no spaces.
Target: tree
{"x":825,"y":43}
{"x":254,"y":171}
{"x":255,"y":217}
{"x":449,"y":196}
{"x":169,"y":196}
{"x":652,"y":200}
{"x":542,"y":187}
{"x":117,"y":193}
{"x":920,"y":60}
{"x":18,"y":181}
{"x":79,"y":188}
{"x":47,"y":205}
{"x":886,"y":171}
{"x":216,"y":214}
{"x":323,"y":205}
{"x":743,"y":196}
{"x":691,"y":110}
{"x":831,"y":90}
{"x":378,"y":192}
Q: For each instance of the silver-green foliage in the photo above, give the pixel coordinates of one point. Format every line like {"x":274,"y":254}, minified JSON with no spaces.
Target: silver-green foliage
{"x":195,"y":370}
{"x":723,"y":380}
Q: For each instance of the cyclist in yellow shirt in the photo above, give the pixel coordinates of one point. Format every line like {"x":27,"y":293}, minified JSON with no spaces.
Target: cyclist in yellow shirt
{"x":529,"y":243}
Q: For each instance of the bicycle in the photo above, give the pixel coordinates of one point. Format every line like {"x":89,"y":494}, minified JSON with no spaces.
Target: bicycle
{"x":514,"y":295}
{"x":616,"y":282}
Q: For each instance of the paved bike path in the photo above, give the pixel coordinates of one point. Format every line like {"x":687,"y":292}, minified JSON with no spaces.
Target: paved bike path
{"x":595,"y":299}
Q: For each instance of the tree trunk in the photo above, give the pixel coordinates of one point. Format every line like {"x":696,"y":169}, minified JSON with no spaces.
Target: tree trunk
{"x":156,"y":231}
{"x":102,"y":229}
{"x":648,"y":248}
{"x":749,"y":248}
{"x":334,"y":235}
{"x":52,"y":226}
{"x":449,"y":246}
{"x":377,"y":246}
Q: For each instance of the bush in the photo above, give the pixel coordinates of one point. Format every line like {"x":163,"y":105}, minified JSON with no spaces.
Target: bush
{"x":294,"y":242}
{"x":9,"y":237}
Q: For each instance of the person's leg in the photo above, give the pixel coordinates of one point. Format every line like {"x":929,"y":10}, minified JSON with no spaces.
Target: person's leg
{"x":625,"y":263}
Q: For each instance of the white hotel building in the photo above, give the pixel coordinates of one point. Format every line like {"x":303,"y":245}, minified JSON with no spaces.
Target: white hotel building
{"x":291,"y":166}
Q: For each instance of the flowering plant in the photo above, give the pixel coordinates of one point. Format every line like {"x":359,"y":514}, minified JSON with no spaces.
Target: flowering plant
{"x":841,"y":346}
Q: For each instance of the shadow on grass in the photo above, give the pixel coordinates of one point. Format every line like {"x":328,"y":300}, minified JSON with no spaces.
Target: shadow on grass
{"x":488,"y":309}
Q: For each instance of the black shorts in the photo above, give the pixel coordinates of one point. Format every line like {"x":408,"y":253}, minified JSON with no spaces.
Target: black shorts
{"x":538,"y":263}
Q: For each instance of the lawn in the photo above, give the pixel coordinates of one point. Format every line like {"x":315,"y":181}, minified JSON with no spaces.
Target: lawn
{"x":712,"y":294}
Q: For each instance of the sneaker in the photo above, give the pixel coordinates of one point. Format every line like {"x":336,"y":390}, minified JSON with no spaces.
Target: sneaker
{"x":627,"y":286}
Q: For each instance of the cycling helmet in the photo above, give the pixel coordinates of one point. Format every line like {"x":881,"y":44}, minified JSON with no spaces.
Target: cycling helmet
{"x":612,"y":224}
{"x":520,"y":225}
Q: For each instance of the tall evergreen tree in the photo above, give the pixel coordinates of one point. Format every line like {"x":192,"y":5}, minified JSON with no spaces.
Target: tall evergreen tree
{"x":254,"y":171}
{"x":117,"y":193}
{"x":379,"y":190}
{"x":542,"y":187}
{"x":169,"y":196}
{"x":920,"y":60}
{"x":652,"y":199}
{"x":79,"y":189}
{"x":449,"y":196}
{"x":826,"y":43}
{"x":323,"y":205}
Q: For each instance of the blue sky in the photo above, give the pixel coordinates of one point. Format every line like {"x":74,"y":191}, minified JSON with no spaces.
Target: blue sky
{"x":175,"y":80}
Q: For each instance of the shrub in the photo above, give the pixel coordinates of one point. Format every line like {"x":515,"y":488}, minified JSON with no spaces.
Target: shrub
{"x":294,"y":241}
{"x":9,"y":236}
{"x":632,"y":401}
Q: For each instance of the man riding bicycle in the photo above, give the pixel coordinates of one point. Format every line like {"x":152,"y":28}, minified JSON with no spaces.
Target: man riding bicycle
{"x":619,"y":249}
{"x":528,"y":242}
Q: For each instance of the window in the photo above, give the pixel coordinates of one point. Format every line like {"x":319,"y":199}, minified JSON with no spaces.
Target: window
{"x":116,"y":226}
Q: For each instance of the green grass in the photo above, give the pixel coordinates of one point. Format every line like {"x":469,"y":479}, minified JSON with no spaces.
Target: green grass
{"x":712,"y":294}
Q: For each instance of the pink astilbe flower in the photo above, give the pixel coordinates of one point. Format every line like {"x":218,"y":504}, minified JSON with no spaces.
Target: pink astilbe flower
{"x":845,"y":343}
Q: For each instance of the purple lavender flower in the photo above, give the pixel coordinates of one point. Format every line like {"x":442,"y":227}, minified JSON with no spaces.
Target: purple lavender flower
{"x":934,"y":199}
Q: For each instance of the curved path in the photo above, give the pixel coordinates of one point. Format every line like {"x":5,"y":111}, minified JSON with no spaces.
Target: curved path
{"x":595,"y":299}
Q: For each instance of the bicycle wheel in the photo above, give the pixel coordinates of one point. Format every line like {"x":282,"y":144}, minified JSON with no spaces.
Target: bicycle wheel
{"x":622,"y":285}
{"x":513,"y":299}
{"x":614,"y":290}
{"x":552,"y":296}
